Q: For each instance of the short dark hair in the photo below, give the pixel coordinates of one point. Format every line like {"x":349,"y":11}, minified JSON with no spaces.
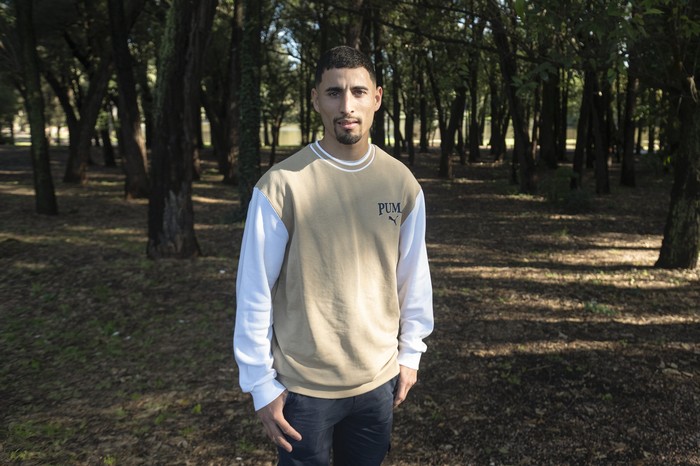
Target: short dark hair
{"x":344,"y":57}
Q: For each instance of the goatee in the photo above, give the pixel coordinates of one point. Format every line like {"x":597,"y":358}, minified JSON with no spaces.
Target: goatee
{"x":344,"y":137}
{"x":347,"y":138}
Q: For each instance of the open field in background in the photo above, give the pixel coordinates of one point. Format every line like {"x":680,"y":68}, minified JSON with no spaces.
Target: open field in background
{"x":556,"y":340}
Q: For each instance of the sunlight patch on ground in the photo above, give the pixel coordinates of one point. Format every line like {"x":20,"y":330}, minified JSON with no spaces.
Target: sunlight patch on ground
{"x":209,"y":200}
{"x":30,"y":266}
{"x":640,"y":321}
{"x":25,"y":238}
{"x":631,"y":278}
{"x":545,"y":347}
{"x":17,"y":190}
{"x":123,"y":231}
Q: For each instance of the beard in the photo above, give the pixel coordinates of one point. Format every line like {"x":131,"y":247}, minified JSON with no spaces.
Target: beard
{"x":344,"y":137}
{"x":347,"y":138}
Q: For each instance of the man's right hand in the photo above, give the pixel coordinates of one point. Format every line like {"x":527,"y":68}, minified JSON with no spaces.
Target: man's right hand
{"x":276,"y":426}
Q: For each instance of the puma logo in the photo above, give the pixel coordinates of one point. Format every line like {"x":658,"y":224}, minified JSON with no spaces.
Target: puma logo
{"x":393,"y":219}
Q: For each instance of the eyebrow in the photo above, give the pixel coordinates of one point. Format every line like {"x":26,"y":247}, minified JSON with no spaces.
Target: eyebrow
{"x":340,"y":89}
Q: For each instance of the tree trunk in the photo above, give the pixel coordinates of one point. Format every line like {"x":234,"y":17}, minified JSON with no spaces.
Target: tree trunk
{"x":170,"y":211}
{"x":445,"y":170}
{"x":627,"y":175}
{"x":423,"y":114}
{"x":548,"y":121}
{"x":563,"y":117}
{"x":136,"y":184}
{"x":395,"y":92}
{"x":474,"y":130}
{"x":602,"y":180}
{"x":231,"y":126}
{"x":582,"y":131}
{"x":447,"y":144}
{"x":249,"y":161}
{"x":651,"y":149}
{"x":45,"y":195}
{"x":410,"y":111}
{"x":147,"y":104}
{"x":79,"y":152}
{"x":499,"y":122}
{"x":509,"y":69}
{"x":378,"y":131}
{"x":107,"y":149}
{"x":681,"y":244}
{"x":536,"y":109}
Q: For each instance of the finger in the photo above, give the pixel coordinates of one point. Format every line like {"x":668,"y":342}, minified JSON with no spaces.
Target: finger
{"x":288,"y":430}
{"x":276,"y":435}
{"x":282,"y":442}
{"x":400,"y":396}
{"x":404,"y":386}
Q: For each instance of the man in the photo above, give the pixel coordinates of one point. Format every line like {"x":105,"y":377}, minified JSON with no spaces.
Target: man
{"x":333,"y":291}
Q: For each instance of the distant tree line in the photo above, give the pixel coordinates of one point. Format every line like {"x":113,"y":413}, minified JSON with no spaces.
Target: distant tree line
{"x":615,"y":68}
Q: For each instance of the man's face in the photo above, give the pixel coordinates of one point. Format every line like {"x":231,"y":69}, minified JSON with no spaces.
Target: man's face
{"x":346,"y":98}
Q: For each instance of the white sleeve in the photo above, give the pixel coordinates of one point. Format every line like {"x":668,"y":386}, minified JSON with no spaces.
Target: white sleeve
{"x":262,"y":252}
{"x":414,"y":287}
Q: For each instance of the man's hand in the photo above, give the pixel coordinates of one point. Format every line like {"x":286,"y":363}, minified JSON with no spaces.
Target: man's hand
{"x":407,"y":379}
{"x":276,"y":426}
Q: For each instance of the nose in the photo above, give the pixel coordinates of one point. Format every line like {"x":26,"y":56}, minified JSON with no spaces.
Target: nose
{"x":346,"y":105}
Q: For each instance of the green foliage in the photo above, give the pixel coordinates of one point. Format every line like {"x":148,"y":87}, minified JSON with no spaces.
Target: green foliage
{"x":595,"y":307}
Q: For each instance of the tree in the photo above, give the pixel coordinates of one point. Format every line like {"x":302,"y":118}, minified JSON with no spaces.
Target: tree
{"x":509,"y":69}
{"x":677,"y":40}
{"x":220,"y":85}
{"x":34,"y":102}
{"x":170,"y":211}
{"x":249,"y":158}
{"x":77,"y":52}
{"x":135,"y":161}
{"x":277,"y":85}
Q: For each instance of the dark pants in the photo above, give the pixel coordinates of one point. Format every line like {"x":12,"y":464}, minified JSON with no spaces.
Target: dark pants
{"x":357,"y":429}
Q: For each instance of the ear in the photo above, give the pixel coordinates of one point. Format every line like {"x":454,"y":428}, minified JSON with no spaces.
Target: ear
{"x":314,"y":98}
{"x":378,"y":98}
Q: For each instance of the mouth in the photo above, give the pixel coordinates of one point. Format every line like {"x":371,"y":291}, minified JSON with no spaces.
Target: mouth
{"x":347,"y":123}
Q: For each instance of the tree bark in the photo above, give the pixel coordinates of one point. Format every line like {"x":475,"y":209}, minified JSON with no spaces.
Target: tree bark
{"x":602,"y":180}
{"x":627,"y":175}
{"x":499,"y":121}
{"x":681,"y":244}
{"x":396,"y":117}
{"x":521,"y":151}
{"x":563,"y":116}
{"x":423,"y":114}
{"x":249,"y":158}
{"x":474,"y":128}
{"x":548,"y":121}
{"x":447,"y":143}
{"x":582,"y":131}
{"x":80,"y":143}
{"x":136,"y":184}
{"x":170,"y":211}
{"x":378,"y":130}
{"x":45,"y":195}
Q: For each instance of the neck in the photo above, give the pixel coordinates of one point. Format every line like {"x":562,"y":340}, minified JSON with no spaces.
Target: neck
{"x":349,"y":152}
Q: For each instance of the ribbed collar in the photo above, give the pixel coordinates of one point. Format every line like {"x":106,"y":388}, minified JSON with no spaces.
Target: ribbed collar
{"x":344,"y":165}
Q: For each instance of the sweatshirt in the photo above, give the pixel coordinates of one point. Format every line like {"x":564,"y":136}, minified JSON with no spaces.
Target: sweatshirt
{"x":333,"y":289}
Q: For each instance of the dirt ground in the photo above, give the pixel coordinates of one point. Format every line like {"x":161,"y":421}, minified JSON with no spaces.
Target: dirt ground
{"x":557,"y":342}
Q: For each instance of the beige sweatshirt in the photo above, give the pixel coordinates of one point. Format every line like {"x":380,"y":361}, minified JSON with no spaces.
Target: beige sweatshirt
{"x":337,"y":285}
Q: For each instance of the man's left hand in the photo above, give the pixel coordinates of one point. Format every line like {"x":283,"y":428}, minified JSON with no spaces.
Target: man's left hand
{"x":407,"y":379}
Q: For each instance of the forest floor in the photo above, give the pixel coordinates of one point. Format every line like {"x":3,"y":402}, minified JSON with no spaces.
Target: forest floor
{"x":556,"y":342}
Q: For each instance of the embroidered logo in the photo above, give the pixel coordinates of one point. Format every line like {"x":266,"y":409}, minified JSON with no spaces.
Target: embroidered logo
{"x":390,"y":208}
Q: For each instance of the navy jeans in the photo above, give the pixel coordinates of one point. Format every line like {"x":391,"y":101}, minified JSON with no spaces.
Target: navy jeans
{"x":357,"y":429}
